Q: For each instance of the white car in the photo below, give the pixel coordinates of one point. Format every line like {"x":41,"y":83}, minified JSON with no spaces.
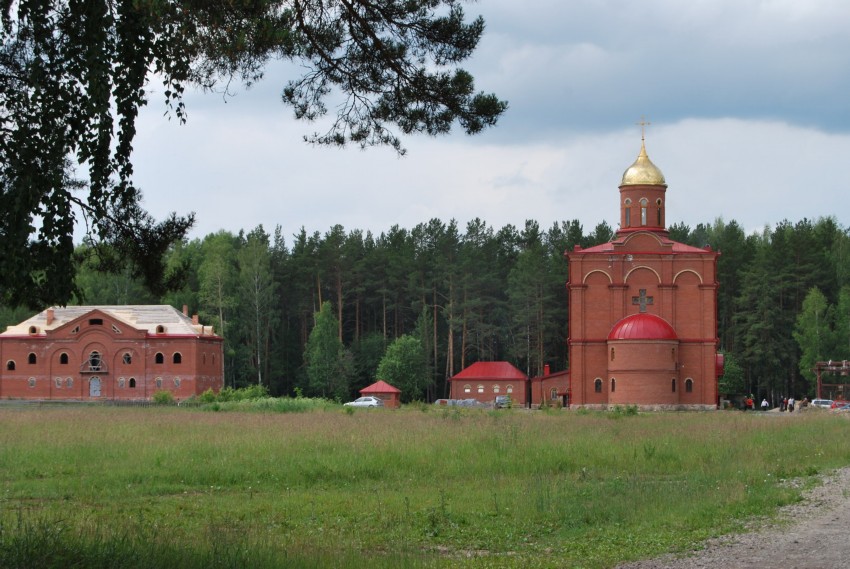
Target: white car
{"x":824,"y":403}
{"x":367,"y":401}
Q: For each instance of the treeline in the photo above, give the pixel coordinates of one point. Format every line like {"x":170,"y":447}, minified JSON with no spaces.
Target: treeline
{"x":484,"y":294}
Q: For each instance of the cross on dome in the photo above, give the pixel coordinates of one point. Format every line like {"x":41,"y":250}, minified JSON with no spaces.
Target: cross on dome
{"x":643,"y":124}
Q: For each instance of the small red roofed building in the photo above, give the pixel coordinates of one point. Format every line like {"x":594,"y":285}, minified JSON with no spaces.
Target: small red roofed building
{"x":109,"y":353}
{"x":642,"y":310}
{"x":484,"y":381}
{"x":391,"y":396}
{"x":550,"y":389}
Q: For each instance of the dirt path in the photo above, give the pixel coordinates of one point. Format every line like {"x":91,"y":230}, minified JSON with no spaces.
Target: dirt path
{"x":812,"y":534}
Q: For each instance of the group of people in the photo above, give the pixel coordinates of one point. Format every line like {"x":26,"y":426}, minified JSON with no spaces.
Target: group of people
{"x":787,"y":404}
{"x":750,"y":404}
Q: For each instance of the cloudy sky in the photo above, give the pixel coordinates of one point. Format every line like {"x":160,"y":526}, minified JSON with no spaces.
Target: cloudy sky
{"x":749,"y":104}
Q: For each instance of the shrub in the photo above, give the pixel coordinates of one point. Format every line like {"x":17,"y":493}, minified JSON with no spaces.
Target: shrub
{"x":208,"y":396}
{"x":163,"y":398}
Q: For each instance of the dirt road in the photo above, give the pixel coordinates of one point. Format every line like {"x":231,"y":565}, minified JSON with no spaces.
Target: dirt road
{"x":813,"y":534}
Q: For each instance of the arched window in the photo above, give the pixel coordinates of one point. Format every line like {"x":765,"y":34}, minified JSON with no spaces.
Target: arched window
{"x":31,"y":358}
{"x":127,"y":358}
{"x":480,"y":389}
{"x":553,"y":393}
{"x":467,"y":388}
{"x":204,"y":359}
{"x":177,"y":358}
{"x":643,"y":204}
{"x":613,"y":385}
{"x":33,"y":330}
{"x":689,"y":385}
{"x":160,"y":329}
{"x":176,"y":382}
{"x":496,"y":388}
{"x":69,"y":382}
{"x":674,"y":385}
{"x":597,"y":385}
{"x":94,"y":361}
{"x":159,"y":383}
{"x":628,"y":211}
{"x":159,"y":358}
{"x":509,"y":389}
{"x":31,"y":382}
{"x":58,"y":382}
{"x":121,"y":382}
{"x":132,"y":383}
{"x":63,"y":358}
{"x":10,"y":365}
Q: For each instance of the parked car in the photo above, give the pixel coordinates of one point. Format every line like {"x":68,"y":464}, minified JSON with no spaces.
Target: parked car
{"x":366,"y":401}
{"x":823,"y":403}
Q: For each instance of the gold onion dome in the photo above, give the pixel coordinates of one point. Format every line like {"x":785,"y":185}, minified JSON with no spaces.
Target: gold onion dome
{"x":643,"y":172}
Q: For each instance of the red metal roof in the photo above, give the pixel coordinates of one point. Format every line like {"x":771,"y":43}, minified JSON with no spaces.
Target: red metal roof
{"x":491,"y":370}
{"x":380,"y":386}
{"x":664,"y":241}
{"x":642,"y":326}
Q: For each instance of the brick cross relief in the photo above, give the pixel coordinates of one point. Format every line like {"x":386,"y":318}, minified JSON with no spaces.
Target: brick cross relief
{"x":642,"y":300}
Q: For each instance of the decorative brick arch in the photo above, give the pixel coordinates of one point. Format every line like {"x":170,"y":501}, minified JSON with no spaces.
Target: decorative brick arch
{"x":597,"y":271}
{"x":682,"y":272}
{"x":638,"y":268}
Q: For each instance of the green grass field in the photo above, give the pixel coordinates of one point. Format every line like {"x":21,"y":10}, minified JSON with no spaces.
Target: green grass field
{"x":168,"y":487}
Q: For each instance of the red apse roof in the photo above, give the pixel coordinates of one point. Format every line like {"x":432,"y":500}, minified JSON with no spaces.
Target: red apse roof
{"x":642,"y":326}
{"x":380,"y":387}
{"x":491,"y":370}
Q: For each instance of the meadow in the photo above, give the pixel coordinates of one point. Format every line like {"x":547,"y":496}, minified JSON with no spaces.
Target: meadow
{"x":105,"y":487}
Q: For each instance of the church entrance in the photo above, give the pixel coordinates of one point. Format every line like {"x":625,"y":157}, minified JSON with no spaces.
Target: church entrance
{"x":94,"y":387}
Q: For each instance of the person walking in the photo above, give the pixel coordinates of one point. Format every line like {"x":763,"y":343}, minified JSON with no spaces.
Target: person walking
{"x":790,"y":404}
{"x":764,"y":404}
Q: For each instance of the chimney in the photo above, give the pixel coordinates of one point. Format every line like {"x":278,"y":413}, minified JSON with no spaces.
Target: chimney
{"x":50,"y":316}
{"x":185,"y":310}
{"x":546,"y":370}
{"x":195,"y":319}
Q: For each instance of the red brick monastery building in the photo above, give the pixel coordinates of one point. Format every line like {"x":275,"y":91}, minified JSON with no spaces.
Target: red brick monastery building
{"x":109,"y":353}
{"x":642,"y":314}
{"x":483,"y":381}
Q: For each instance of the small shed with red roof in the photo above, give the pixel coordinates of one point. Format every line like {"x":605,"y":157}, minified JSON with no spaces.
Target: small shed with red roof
{"x":391,"y":396}
{"x":551,"y":389}
{"x":483,"y":381}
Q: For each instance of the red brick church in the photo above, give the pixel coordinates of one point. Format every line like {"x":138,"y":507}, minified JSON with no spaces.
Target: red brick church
{"x":109,"y":353}
{"x":642,"y":312}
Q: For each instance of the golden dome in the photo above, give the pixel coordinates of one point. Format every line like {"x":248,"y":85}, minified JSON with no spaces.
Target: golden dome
{"x":643,"y":172}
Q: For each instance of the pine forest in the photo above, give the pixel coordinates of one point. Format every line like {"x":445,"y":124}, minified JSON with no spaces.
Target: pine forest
{"x":478,"y":293}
